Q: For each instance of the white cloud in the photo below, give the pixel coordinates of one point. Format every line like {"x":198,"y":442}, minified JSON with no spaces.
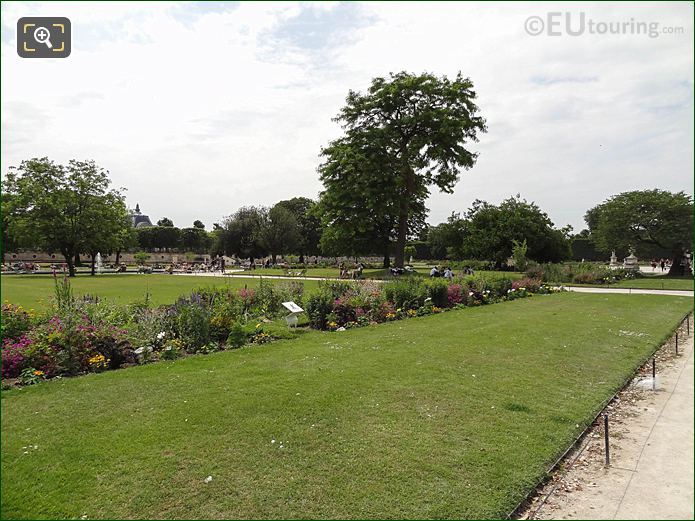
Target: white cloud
{"x":200,"y":108}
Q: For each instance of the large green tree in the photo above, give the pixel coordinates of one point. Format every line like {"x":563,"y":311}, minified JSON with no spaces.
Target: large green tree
{"x":359,"y":206}
{"x":240,"y":233}
{"x":194,"y":239}
{"x":278,"y":232}
{"x":490,"y":232}
{"x":110,"y":225}
{"x":62,"y":208}
{"x":642,"y":220}
{"x":445,"y":240}
{"x":308,"y":222}
{"x":419,"y":127}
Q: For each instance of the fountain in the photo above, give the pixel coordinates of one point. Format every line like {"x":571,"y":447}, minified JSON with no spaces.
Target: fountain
{"x":99,"y":263}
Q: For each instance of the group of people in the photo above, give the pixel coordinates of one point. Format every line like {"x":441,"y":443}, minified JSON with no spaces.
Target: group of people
{"x":355,"y":273}
{"x":197,"y":267}
{"x":446,"y":272}
{"x":664,"y":264}
{"x":20,"y":267}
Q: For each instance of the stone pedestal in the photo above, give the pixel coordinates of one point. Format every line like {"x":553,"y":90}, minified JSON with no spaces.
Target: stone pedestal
{"x":614,"y":260}
{"x":630,"y":263}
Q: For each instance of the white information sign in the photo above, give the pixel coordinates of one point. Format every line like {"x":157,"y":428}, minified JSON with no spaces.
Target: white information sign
{"x":292,"y":307}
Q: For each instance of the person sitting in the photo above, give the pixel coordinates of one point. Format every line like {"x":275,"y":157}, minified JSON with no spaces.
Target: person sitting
{"x":448,"y":274}
{"x":357,"y":272}
{"x":434,"y":272}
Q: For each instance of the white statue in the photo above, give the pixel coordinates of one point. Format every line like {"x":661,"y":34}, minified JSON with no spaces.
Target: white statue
{"x":614,"y":260}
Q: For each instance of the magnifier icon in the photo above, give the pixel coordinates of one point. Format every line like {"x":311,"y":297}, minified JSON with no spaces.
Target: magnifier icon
{"x":43,"y":35}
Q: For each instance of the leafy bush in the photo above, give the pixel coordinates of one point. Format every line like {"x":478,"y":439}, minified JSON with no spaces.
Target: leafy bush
{"x":192,"y":325}
{"x":14,"y":356}
{"x":528,"y":284}
{"x":237,"y":336}
{"x":455,"y":295}
{"x":438,"y":292}
{"x":318,"y":306}
{"x":409,"y":293}
{"x":172,"y":349}
{"x":499,"y":287}
{"x":16,"y":321}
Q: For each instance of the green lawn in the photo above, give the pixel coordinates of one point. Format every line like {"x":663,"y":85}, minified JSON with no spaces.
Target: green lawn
{"x":649,"y":282}
{"x":657,"y":282}
{"x":448,"y":416}
{"x":33,"y":291}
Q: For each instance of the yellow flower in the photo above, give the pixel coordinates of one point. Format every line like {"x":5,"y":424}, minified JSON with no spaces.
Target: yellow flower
{"x":38,"y":373}
{"x":257,"y":326}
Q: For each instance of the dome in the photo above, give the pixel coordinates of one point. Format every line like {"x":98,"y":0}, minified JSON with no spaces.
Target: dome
{"x":140,"y":220}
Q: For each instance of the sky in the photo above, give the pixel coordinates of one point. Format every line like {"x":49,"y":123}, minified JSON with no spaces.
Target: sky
{"x":199,"y":108}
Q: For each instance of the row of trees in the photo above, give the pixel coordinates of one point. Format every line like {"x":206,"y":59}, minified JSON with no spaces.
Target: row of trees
{"x":406,"y":134}
{"x":73,"y":210}
{"x":69,"y":209}
{"x":290,"y":226}
{"x":489,"y":232}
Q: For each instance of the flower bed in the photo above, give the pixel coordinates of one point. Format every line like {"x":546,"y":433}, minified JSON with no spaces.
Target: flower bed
{"x":86,"y":335}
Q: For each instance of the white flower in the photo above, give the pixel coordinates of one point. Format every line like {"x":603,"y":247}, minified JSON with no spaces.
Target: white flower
{"x":208,"y":479}
{"x":161,"y":335}
{"x":272,"y":441}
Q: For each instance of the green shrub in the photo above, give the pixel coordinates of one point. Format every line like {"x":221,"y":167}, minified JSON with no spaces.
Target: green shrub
{"x":437,"y":291}
{"x":319,"y":305}
{"x":172,"y":349}
{"x":237,"y":336}
{"x":15,"y":321}
{"x":407,"y":293}
{"x":192,"y":326}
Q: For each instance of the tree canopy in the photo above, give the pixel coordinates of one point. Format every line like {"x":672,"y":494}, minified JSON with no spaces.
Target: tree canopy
{"x":411,"y":131}
{"x":642,"y":220}
{"x":70,"y":208}
{"x":309,"y":224}
{"x":490,"y":232}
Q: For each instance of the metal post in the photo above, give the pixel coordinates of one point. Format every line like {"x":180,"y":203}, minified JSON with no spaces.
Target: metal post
{"x":653,"y":374}
{"x":605,"y":435}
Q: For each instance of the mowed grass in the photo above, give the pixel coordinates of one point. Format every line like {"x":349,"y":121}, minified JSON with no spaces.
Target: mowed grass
{"x":34,"y":291}
{"x":454,"y":415}
{"x":649,"y":282}
{"x":657,"y":282}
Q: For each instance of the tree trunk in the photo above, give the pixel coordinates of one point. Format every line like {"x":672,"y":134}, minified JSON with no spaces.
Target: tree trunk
{"x":273,"y":256}
{"x":399,"y":253}
{"x":301,"y":258}
{"x":118,"y":257}
{"x":69,"y":260}
{"x":78,"y":262}
{"x":94,"y":258}
{"x":387,"y":259}
{"x":403,"y":215}
{"x":677,"y":269}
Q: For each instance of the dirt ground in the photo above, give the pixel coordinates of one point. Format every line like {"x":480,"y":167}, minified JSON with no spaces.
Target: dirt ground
{"x":650,"y":475}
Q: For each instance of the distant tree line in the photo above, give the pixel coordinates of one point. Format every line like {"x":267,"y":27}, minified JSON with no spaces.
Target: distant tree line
{"x":404,"y":136}
{"x":71,"y":209}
